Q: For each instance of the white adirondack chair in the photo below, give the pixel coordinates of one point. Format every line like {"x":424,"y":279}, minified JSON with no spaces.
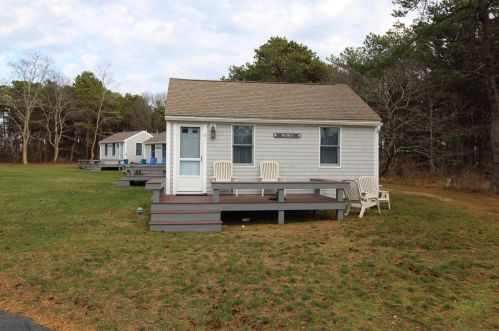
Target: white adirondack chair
{"x":359,"y":196}
{"x":223,"y":172}
{"x":269,"y":172}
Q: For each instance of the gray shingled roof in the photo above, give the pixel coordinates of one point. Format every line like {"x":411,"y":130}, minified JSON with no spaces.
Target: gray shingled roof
{"x":157,"y":138}
{"x":208,"y":98}
{"x":119,"y":137}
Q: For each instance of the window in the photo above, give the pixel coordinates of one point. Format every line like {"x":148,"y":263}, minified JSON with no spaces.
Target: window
{"x":114,"y":149}
{"x":242,"y":145}
{"x":330,"y":146}
{"x":105,"y":149}
{"x":153,"y":150}
{"x":138,"y":149}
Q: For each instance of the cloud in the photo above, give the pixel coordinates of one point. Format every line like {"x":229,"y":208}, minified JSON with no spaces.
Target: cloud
{"x":149,"y":41}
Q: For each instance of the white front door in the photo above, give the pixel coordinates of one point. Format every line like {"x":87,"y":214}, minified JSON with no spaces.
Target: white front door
{"x":190,"y":160}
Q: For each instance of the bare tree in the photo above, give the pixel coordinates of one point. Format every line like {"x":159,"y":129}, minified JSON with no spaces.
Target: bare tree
{"x":394,"y":94}
{"x":30,"y":71}
{"x":57,"y":107}
{"x":104,"y":74}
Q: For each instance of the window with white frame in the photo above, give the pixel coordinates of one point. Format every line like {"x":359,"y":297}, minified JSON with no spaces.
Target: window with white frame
{"x":138,"y":149}
{"x":114,"y":149}
{"x":105,"y":149}
{"x":330,"y":146}
{"x":242,"y":145}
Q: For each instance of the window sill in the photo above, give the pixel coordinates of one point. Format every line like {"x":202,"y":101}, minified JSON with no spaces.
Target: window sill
{"x":332,"y":166}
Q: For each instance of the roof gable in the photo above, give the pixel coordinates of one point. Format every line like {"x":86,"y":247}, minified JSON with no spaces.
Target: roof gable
{"x":204,"y":98}
{"x":157,"y":138}
{"x":120,"y":137}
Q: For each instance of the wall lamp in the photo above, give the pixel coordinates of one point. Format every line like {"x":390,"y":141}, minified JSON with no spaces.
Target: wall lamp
{"x":213,"y":131}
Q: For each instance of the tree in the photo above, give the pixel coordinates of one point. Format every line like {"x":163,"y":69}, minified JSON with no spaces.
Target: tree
{"x":57,"y":106}
{"x":280,"y":60}
{"x":137,"y":115}
{"x":97,"y":100}
{"x":24,"y":97}
{"x":466,"y":30}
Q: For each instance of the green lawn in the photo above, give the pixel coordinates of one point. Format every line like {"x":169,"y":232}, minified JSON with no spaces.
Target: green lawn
{"x":72,"y":256}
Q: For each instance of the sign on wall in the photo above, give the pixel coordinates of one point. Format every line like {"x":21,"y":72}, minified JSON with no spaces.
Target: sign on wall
{"x":284,"y":135}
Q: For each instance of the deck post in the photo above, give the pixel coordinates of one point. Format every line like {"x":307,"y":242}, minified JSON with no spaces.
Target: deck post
{"x":339,"y":198}
{"x":280,"y":195}
{"x":216,"y":195}
{"x":156,"y":194}
{"x":280,"y":217}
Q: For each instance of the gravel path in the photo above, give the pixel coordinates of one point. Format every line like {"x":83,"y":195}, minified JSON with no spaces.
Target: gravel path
{"x":18,"y":322}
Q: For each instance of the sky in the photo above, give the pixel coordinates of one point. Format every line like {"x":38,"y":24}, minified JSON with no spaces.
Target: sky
{"x":148,"y":41}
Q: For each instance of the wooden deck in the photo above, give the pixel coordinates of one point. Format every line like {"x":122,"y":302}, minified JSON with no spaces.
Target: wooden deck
{"x":177,"y":213}
{"x":97,"y":165}
{"x":246,"y":199}
{"x":199,"y":213}
{"x":140,"y":179}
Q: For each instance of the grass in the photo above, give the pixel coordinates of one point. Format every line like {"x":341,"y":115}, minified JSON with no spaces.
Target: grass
{"x":73,"y":257}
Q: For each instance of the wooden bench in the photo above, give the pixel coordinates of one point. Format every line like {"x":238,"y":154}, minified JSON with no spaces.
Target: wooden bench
{"x":157,"y":186}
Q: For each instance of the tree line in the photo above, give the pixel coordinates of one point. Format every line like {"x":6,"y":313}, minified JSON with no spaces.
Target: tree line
{"x":434,"y":83}
{"x":45,"y":116}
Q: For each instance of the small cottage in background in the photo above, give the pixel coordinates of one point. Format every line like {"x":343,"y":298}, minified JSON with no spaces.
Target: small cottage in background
{"x":123,"y":146}
{"x":155,"y":148}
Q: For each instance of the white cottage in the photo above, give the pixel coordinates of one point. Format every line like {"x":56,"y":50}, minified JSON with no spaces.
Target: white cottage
{"x":155,"y":147}
{"x":123,"y":146}
{"x":316,"y":135}
{"x":311,"y":130}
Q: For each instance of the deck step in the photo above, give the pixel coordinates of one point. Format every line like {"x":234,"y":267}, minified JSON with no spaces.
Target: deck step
{"x":185,"y":220}
{"x":186,"y":227}
{"x":186,"y":215}
{"x":121,"y":183}
{"x":186,"y":212}
{"x":173,"y":207}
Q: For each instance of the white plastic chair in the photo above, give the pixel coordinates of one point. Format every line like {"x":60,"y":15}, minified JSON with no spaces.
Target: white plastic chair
{"x":384,"y":196}
{"x":362,"y":194}
{"x":223,"y":172}
{"x":269,"y":172}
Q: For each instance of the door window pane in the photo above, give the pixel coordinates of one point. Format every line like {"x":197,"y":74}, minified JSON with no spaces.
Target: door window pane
{"x":190,"y":168}
{"x":189,"y":142}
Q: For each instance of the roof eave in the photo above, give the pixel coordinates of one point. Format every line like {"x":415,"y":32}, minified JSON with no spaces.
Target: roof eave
{"x":259,"y":120}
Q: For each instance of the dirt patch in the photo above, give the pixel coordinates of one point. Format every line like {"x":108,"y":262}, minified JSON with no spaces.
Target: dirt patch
{"x":429,"y":195}
{"x":472,"y":202}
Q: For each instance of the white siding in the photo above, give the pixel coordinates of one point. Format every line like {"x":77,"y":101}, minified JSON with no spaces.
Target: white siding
{"x":110,"y":158}
{"x":298,"y":158}
{"x":130,"y":146}
{"x":159,"y":151}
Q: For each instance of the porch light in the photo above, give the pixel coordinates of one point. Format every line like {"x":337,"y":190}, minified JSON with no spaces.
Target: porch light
{"x":213,"y":131}
{"x":139,"y":211}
